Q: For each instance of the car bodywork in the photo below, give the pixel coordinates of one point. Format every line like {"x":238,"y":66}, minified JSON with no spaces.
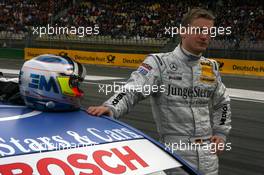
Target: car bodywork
{"x":35,"y":142}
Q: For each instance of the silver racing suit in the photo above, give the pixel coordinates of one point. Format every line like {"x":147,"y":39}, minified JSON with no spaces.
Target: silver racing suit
{"x":189,"y":104}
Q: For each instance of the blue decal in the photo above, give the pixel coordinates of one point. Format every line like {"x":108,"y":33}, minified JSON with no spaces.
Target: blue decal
{"x":21,"y":126}
{"x":142,"y":71}
{"x":40,"y":82}
{"x":25,"y":131}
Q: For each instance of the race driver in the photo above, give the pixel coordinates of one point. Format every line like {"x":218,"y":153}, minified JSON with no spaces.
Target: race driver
{"x":194,"y":108}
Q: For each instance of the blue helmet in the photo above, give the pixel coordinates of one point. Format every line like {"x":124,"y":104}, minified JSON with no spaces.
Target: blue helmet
{"x":51,"y":83}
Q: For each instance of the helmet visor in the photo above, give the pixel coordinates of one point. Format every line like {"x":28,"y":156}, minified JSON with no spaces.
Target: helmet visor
{"x":69,"y":86}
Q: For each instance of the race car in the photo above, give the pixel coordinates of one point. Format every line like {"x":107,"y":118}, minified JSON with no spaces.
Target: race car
{"x":58,"y":143}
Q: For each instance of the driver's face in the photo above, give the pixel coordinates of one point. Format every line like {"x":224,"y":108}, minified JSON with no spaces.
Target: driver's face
{"x":197,"y":43}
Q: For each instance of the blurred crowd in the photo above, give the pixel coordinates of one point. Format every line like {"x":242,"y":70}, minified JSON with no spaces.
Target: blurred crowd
{"x":137,"y":19}
{"x":245,"y":17}
{"x":18,"y":16}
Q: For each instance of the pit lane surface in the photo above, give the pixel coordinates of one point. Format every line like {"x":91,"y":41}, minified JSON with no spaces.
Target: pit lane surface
{"x":247,"y":141}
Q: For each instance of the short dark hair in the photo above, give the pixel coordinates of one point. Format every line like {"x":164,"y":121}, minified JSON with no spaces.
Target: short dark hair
{"x":195,"y":14}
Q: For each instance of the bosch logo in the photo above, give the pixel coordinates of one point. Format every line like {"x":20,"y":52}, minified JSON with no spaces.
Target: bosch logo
{"x":41,"y":83}
{"x":96,"y":162}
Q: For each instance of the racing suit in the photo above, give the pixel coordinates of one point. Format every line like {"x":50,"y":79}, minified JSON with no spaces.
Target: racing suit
{"x":190,"y":106}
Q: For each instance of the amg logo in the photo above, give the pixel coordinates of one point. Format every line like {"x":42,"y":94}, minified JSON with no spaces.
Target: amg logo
{"x":40,"y":82}
{"x":189,"y":92}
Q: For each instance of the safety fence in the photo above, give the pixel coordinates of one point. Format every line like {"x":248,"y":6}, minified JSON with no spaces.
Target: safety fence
{"x":227,"y":66}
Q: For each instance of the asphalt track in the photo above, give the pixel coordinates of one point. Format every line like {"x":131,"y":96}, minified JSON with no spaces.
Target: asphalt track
{"x":247,"y":140}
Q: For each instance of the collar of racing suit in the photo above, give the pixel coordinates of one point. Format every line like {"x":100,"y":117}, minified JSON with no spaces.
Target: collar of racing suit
{"x":190,"y":55}
{"x":186,"y":56}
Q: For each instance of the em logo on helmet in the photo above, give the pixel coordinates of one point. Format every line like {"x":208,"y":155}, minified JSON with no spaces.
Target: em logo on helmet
{"x":40,"y":82}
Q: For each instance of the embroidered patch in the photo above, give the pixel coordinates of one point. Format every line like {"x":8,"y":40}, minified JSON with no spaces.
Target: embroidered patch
{"x":173,"y":67}
{"x":175,"y":78}
{"x":207,"y":73}
{"x":142,"y":70}
{"x":147,"y":66}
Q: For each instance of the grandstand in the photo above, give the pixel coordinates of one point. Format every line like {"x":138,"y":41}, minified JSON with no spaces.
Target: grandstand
{"x":127,"y":24}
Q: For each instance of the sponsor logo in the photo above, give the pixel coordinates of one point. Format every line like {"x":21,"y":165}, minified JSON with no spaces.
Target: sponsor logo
{"x":147,"y":66}
{"x":207,"y":74}
{"x":224,"y":114}
{"x":175,"y":77}
{"x":72,"y":139}
{"x":206,"y":63}
{"x":40,"y":82}
{"x":118,"y":98}
{"x":173,"y":66}
{"x":188,"y":92}
{"x":207,"y":79}
{"x":110,"y":58}
{"x":142,"y":70}
{"x":113,"y":160}
{"x":132,"y":61}
{"x":220,"y":64}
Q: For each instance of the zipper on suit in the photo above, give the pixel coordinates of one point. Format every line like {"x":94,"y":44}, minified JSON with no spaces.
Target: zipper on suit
{"x":192,"y":78}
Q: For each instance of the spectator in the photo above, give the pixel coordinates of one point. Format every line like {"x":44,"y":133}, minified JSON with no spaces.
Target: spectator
{"x":139,"y":19}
